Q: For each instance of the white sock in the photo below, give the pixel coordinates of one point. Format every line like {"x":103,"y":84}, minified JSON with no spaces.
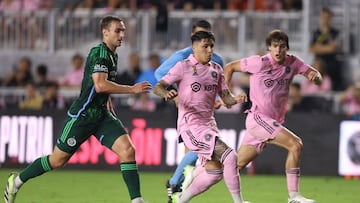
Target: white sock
{"x":294,"y":194}
{"x":18,"y":182}
{"x":186,"y":196}
{"x":237,"y":198}
{"x":137,"y":200}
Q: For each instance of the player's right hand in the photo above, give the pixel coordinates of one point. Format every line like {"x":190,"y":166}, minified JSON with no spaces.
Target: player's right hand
{"x":141,"y":87}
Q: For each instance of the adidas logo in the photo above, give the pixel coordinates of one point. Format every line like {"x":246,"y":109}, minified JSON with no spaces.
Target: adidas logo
{"x":294,"y":201}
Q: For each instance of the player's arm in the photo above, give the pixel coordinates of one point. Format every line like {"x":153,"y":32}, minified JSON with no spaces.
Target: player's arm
{"x":230,"y":99}
{"x":229,"y":69}
{"x":161,"y":91}
{"x":103,"y":85}
{"x":318,"y":48}
{"x":313,"y":75}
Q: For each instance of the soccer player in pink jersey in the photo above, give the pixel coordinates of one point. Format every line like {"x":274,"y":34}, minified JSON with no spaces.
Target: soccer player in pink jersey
{"x":270,"y":78}
{"x":199,"y":80}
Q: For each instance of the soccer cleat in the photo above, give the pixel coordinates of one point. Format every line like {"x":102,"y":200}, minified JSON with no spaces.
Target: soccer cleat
{"x":171,"y":189}
{"x":189,"y":173}
{"x":11,"y":190}
{"x":175,"y":197}
{"x":300,"y":199}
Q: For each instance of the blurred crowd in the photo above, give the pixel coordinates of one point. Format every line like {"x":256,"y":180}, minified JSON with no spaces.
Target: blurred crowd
{"x":42,"y":91}
{"x":260,"y":5}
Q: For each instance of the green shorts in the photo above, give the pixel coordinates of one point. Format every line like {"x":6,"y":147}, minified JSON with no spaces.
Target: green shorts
{"x":106,"y":129}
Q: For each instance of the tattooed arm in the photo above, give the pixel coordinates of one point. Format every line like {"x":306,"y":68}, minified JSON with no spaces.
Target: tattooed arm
{"x":230,"y":100}
{"x":160,"y":90}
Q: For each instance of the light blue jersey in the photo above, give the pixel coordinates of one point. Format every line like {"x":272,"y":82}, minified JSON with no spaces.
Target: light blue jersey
{"x":180,"y":55}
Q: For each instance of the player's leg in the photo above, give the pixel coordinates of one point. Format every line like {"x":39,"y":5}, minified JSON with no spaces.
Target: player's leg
{"x":206,"y":176}
{"x":174,"y":183}
{"x":67,"y":144}
{"x":293,"y":144}
{"x":227,"y":156}
{"x":113,"y":135}
{"x":245,"y":155}
{"x":40,"y":166}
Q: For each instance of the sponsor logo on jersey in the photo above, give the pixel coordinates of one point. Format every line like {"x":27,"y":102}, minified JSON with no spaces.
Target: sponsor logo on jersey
{"x":195,"y":86}
{"x":210,"y":87}
{"x":269,"y":82}
{"x":100,"y":68}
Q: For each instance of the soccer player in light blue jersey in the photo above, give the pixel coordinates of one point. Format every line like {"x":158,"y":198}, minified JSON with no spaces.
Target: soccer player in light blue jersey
{"x":174,"y":183}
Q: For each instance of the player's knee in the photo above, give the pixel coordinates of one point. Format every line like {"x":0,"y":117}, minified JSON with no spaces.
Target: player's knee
{"x":296,"y":147}
{"x":241,"y":164}
{"x":127,"y":153}
{"x":57,"y":162}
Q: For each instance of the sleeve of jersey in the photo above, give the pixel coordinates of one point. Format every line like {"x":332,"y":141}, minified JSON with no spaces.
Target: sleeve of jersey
{"x":164,"y":68}
{"x":101,"y":66}
{"x":252,"y":64}
{"x":174,"y":75}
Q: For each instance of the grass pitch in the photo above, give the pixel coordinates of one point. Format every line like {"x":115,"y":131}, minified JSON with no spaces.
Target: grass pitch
{"x":67,"y":186}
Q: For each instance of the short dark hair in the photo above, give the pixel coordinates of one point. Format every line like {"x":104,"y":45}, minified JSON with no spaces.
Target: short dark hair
{"x":198,"y":36}
{"x":105,"y":22}
{"x":201,"y":23}
{"x":275,"y":36}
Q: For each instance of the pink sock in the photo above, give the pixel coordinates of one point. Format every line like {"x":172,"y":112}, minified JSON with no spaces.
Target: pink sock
{"x":198,"y":170}
{"x":204,"y":180}
{"x":231,"y":172}
{"x":292,"y":178}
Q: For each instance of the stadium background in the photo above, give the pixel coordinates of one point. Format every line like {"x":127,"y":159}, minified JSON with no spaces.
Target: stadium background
{"x":53,"y":36}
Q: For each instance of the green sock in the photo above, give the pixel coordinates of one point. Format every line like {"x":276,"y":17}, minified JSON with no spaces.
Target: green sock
{"x":131,"y":177}
{"x":38,"y":167}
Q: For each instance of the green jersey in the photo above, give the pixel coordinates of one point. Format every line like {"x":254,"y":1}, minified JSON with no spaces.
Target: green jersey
{"x":89,"y":103}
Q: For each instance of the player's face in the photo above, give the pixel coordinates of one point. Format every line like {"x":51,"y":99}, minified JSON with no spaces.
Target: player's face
{"x":114,"y":35}
{"x":203,"y":50}
{"x":278,"y":51}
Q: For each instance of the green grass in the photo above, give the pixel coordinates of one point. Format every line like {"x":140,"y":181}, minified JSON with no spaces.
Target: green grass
{"x":65,"y":186}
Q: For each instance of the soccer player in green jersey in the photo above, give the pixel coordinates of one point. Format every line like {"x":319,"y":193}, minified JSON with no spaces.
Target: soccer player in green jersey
{"x":92,"y":114}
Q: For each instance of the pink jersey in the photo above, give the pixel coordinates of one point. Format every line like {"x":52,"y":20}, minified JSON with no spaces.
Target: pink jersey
{"x":197,"y":85}
{"x":269,"y":83}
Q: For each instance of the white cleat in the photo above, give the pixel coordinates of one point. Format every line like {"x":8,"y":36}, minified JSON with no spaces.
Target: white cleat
{"x":11,"y":189}
{"x":300,"y":199}
{"x":189,"y":173}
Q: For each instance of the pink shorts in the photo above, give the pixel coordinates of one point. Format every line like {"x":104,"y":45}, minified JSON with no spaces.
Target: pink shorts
{"x":201,"y":140}
{"x":260,"y":129}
